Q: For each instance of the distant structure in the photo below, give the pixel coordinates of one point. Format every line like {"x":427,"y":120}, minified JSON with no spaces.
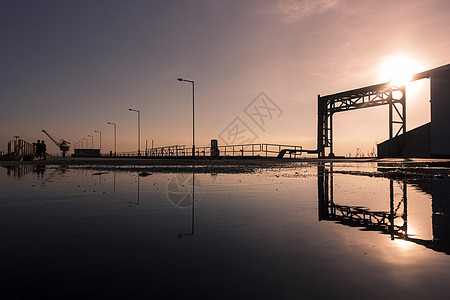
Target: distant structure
{"x":429,"y":140}
{"x":86,"y":153}
{"x":62,"y":144}
{"x":19,"y":150}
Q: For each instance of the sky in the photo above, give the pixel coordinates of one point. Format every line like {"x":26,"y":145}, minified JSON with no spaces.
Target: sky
{"x":69,"y":67}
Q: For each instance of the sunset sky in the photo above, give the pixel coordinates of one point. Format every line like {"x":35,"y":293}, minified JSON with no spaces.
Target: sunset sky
{"x":71,"y":66}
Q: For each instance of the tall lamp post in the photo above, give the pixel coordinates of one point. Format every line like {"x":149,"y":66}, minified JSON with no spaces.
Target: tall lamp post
{"x":115,"y":136}
{"x":92,"y":140}
{"x":139,"y":129}
{"x":100,"y":139}
{"x":86,"y":142}
{"x":193,"y":114}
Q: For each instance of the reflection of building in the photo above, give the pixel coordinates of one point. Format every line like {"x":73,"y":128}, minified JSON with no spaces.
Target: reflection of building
{"x":395,"y":221}
{"x":19,"y":170}
{"x":431,"y":139}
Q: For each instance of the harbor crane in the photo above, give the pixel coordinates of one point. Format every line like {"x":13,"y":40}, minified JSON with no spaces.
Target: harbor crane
{"x":62,"y":144}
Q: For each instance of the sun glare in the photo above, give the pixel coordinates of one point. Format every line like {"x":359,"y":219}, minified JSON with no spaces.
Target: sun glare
{"x":398,"y":69}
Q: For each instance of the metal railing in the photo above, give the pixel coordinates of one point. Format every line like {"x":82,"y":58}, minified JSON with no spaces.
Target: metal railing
{"x":248,"y":150}
{"x":240,"y":150}
{"x":276,"y":149}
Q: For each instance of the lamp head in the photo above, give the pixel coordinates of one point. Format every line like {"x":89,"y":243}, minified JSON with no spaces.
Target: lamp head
{"x":180,"y":79}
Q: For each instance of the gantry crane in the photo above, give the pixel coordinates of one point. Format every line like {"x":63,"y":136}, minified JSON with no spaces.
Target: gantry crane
{"x":62,"y":144}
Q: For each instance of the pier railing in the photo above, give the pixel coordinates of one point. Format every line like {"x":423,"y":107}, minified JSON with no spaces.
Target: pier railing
{"x":269,"y":149}
{"x":247,"y":150}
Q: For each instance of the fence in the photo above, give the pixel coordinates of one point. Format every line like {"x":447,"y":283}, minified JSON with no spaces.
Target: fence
{"x":276,"y":149}
{"x":248,"y":150}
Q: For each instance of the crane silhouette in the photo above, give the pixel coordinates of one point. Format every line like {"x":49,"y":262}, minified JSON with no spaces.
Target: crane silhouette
{"x":62,"y":144}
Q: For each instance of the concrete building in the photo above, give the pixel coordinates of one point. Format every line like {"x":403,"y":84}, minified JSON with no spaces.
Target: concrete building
{"x":86,"y":153}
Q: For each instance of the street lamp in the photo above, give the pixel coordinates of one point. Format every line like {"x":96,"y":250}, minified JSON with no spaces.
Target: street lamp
{"x":193,"y":114}
{"x":139,"y":129}
{"x":92,"y":138}
{"x":115,"y":136}
{"x":100,"y":139}
{"x":86,"y":142}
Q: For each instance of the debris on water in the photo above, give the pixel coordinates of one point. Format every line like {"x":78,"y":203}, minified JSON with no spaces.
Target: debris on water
{"x":144,"y":174}
{"x":100,"y":173}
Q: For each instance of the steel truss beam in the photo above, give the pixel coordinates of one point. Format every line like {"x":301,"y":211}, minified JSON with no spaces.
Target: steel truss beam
{"x":370,"y":96}
{"x":393,"y":223}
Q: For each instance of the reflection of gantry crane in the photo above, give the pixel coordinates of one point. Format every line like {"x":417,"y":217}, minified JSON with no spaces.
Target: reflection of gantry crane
{"x":384,"y":222}
{"x":62,"y":144}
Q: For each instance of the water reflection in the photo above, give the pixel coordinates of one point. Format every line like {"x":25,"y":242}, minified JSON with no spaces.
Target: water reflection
{"x":41,"y":171}
{"x":131,"y":203}
{"x":395,"y":221}
{"x":20,"y":171}
{"x":191,"y":233}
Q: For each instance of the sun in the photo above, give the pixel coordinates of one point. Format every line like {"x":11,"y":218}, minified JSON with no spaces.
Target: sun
{"x":398,"y":69}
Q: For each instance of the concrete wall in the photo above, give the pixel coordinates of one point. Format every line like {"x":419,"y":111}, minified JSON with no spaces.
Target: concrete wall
{"x":414,"y":143}
{"x":440,"y":110}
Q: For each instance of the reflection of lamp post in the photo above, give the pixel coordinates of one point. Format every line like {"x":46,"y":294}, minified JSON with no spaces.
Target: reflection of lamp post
{"x":115,"y":136}
{"x":193,"y":114}
{"x":85,"y":139}
{"x":139,"y":129}
{"x":186,"y":234}
{"x":100,"y":140}
{"x":130,"y":204}
{"x":92,"y":138}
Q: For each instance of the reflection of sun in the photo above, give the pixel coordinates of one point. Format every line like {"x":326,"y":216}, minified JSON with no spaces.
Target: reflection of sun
{"x":398,"y":69}
{"x":402,"y":244}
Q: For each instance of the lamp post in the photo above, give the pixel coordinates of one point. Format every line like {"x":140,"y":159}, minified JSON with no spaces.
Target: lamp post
{"x":139,"y":129}
{"x":100,"y":140}
{"x":86,"y":142}
{"x":193,"y":114}
{"x":115,"y":136}
{"x":92,"y":140}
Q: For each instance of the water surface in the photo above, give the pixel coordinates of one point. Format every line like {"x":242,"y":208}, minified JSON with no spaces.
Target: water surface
{"x":304,"y":232}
